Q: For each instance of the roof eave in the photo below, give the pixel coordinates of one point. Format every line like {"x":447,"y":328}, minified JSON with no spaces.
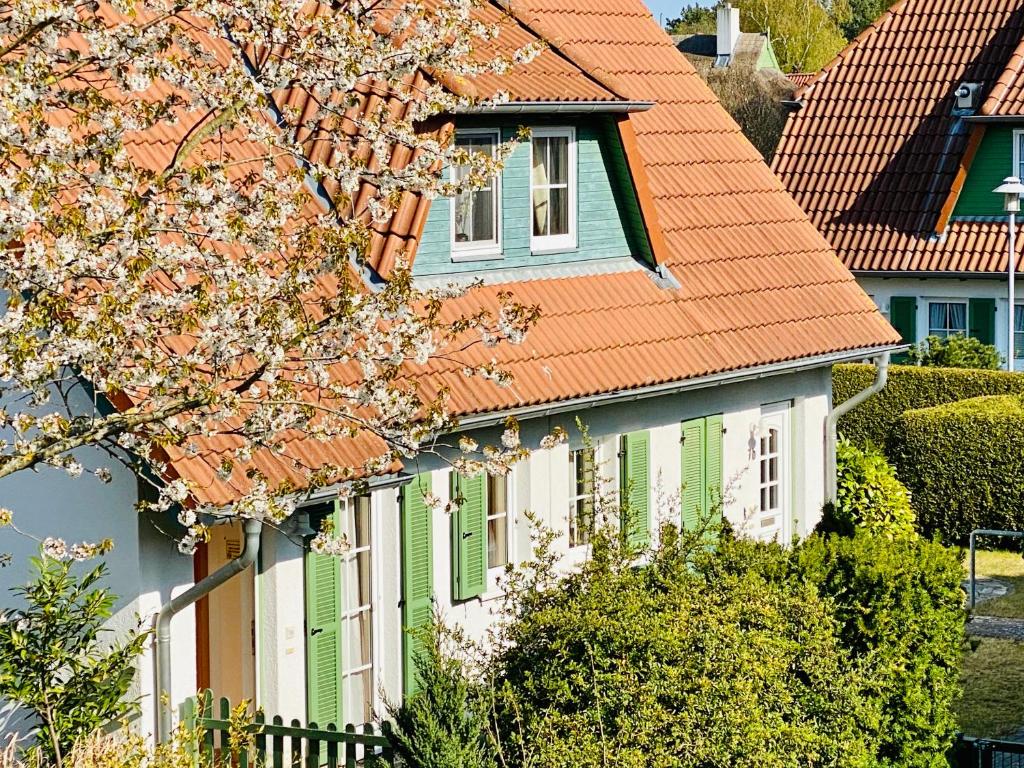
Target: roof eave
{"x":558,"y":107}
{"x":994,"y":119}
{"x":799,"y":365}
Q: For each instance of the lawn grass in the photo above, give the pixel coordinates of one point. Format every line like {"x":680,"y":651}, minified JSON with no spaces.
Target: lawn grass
{"x":993,"y":679}
{"x":993,"y":669}
{"x":1007,"y":567}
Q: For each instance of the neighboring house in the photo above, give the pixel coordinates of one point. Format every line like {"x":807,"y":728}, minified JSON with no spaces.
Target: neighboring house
{"x":895,"y":152}
{"x":729,"y":47}
{"x":691,"y":317}
{"x":743,"y":72}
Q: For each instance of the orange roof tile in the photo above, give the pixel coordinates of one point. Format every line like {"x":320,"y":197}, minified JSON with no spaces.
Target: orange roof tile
{"x":757,"y":284}
{"x":876,"y":156}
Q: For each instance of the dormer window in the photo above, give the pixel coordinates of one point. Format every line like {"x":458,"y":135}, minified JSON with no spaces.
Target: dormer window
{"x":475,"y":212}
{"x":553,"y":189}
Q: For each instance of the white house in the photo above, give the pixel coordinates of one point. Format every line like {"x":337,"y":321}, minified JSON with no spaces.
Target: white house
{"x":691,"y":316}
{"x":895,"y":151}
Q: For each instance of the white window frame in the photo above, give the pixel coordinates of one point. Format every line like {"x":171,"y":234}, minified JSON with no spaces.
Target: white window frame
{"x":774,"y":416}
{"x":1018,"y":135}
{"x":574,"y":498}
{"x":1017,"y":305}
{"x":476,"y":251}
{"x":494,"y":574}
{"x":928,"y":314}
{"x":373,"y":608}
{"x":545,"y":244}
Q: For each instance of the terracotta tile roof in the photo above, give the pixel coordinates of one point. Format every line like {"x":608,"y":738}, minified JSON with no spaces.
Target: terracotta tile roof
{"x":757,"y":284}
{"x":876,"y":156}
{"x":800,"y":79}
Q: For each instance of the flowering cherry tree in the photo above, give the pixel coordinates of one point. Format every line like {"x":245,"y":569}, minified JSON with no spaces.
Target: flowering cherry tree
{"x":188,"y":191}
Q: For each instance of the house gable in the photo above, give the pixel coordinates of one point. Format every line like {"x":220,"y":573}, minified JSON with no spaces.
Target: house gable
{"x":992,"y":163}
{"x":607,"y":215}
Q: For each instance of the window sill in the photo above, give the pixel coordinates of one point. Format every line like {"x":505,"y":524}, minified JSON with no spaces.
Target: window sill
{"x":459,"y":257}
{"x":550,"y":250}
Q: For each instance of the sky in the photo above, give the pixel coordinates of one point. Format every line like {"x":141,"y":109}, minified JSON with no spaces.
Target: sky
{"x":667,"y":9}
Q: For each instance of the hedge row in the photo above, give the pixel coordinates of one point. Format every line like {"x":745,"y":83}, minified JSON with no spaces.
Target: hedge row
{"x":964,"y":465}
{"x":909,"y":387}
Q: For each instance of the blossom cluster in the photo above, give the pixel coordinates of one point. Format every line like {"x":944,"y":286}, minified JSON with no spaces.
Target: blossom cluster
{"x":175,"y":291}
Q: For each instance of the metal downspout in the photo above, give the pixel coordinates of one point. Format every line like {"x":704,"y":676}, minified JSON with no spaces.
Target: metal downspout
{"x":198,"y":591}
{"x":831,"y":422}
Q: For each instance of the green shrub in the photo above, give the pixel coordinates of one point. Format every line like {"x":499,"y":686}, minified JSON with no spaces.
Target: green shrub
{"x":705,"y":657}
{"x":964,"y":464}
{"x":899,"y":604}
{"x":443,"y":724}
{"x":869,"y":495}
{"x":955,"y":352}
{"x":56,"y":664}
{"x":909,"y":387}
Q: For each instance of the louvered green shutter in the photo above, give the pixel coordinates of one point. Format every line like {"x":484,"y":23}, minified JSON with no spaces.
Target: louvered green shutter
{"x":469,"y":537}
{"x":323,"y":636}
{"x":903,"y":317}
{"x":417,"y":575}
{"x":713,"y":465}
{"x":693,"y":481}
{"x":983,"y":320}
{"x":636,"y":487}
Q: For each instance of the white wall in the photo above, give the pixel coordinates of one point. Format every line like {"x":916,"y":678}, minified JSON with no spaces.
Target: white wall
{"x":144,"y":567}
{"x":541,"y":485}
{"x":882,"y":289}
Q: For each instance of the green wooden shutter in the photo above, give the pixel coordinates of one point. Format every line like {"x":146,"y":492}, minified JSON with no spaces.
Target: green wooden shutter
{"x":983,"y":320}
{"x":713,"y":465}
{"x":693,"y":481}
{"x":417,"y":575}
{"x":323,"y":636}
{"x":903,"y":317}
{"x":635,"y":484}
{"x":469,"y":537}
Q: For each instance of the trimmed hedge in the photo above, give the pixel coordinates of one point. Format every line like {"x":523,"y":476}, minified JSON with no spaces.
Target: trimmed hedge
{"x":909,"y":387}
{"x":964,"y":464}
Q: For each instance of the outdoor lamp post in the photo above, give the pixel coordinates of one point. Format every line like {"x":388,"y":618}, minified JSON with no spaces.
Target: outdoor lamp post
{"x":1011,"y":189}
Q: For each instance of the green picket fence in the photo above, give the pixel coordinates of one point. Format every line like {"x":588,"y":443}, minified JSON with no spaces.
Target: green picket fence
{"x":276,"y":745}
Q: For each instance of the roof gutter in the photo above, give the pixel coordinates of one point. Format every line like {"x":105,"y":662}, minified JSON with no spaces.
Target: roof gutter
{"x":832,"y":421}
{"x":670,"y":388}
{"x":881,"y":274}
{"x":174,"y":606}
{"x":994,"y":119}
{"x":557,"y":107}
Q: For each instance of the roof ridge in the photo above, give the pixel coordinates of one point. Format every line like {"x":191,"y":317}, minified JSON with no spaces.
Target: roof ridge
{"x":864,"y":34}
{"x":568,"y":50}
{"x":1005,"y":79}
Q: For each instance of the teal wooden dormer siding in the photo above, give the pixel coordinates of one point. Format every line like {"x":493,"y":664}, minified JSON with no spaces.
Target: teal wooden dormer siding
{"x":608,"y":222}
{"x":992,"y":163}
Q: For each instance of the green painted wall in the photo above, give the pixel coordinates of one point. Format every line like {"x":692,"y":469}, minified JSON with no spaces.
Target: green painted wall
{"x":992,"y":164}
{"x":608,"y":222}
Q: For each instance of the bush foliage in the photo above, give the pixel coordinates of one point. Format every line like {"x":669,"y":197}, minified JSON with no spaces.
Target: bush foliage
{"x":840,"y":651}
{"x":964,"y":464}
{"x":955,"y":352}
{"x":869,"y":495}
{"x":56,"y":661}
{"x":899,"y":605}
{"x":909,"y":387}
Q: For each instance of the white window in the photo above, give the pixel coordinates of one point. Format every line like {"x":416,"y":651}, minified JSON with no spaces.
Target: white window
{"x":771,"y":521}
{"x":357,"y":586}
{"x":947,"y":318}
{"x":553,"y":189}
{"x":1018,"y":332}
{"x":582,"y":472}
{"x":1018,"y":155}
{"x":476,"y":213}
{"x":497,"y":521}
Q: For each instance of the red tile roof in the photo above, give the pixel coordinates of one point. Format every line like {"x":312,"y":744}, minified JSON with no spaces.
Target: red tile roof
{"x":757,"y":284}
{"x":876,"y":156}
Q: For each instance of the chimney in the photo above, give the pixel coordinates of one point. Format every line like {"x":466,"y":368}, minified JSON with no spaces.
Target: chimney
{"x":728,"y":33}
